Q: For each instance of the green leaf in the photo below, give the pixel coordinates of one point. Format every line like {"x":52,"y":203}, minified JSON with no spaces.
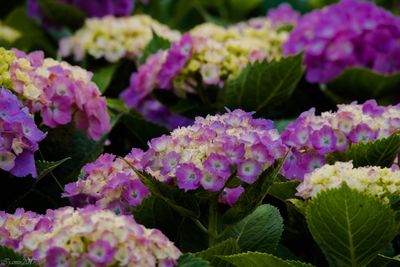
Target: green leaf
{"x":32,"y":37}
{"x":264,"y":85}
{"x":384,"y":261}
{"x":103,"y":76}
{"x":154,"y":212}
{"x":257,"y":259}
{"x":142,"y":129}
{"x":282,"y":124}
{"x":188,"y":260}
{"x":381,"y":152}
{"x":253,"y":195}
{"x":284,"y":190}
{"x":350,"y":227}
{"x":363,"y":84}
{"x":45,"y":167}
{"x":240,"y":8}
{"x":184,"y":203}
{"x":62,"y":14}
{"x":156,"y":43}
{"x":227,"y":247}
{"x":259,"y":231}
{"x":8,"y":257}
{"x":68,"y":142}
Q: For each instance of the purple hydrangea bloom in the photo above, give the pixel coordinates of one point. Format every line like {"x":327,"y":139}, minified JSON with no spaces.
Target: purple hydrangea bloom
{"x":57,"y":256}
{"x":101,"y":252}
{"x":283,"y":15}
{"x":109,"y":182}
{"x":98,"y":8}
{"x":205,"y":154}
{"x":177,"y":56}
{"x":231,"y":195}
{"x":313,"y":137}
{"x":352,"y":33}
{"x":137,"y":95}
{"x":19,"y":136}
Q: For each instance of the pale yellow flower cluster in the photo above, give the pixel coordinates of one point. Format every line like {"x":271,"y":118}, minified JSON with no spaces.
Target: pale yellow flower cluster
{"x":114,"y":38}
{"x":8,"y":34}
{"x":219,"y":53}
{"x":7,"y":57}
{"x":379,"y":182}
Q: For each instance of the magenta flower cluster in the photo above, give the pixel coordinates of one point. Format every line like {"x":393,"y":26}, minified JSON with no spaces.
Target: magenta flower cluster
{"x":19,"y":136}
{"x":283,"y":15}
{"x":109,"y":182}
{"x":158,"y":72}
{"x":312,"y":137}
{"x":206,"y":154}
{"x":85,"y":237}
{"x":60,"y":92}
{"x":352,"y":33}
{"x":98,"y":8}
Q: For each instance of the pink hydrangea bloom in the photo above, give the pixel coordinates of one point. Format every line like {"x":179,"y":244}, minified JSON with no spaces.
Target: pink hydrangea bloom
{"x":60,"y":92}
{"x":89,"y":236}
{"x":109,"y":182}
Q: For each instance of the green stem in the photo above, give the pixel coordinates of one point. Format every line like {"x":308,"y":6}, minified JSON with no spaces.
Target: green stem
{"x":201,"y":226}
{"x":212,"y":222}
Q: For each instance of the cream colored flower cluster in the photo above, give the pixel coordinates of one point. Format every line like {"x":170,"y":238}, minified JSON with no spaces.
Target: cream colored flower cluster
{"x":379,"y":182}
{"x":114,"y":38}
{"x":220,"y":53}
{"x":8,"y":34}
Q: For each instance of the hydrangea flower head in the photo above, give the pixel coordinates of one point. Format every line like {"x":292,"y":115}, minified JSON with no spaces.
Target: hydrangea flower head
{"x":13,"y":227}
{"x":378,"y":182}
{"x":283,"y":15}
{"x":93,"y":237}
{"x":312,"y":137}
{"x":205,"y":154}
{"x":370,"y":38}
{"x":207,"y":56}
{"x":114,"y":38}
{"x":19,"y":136}
{"x":109,"y":182}
{"x":62,"y":93}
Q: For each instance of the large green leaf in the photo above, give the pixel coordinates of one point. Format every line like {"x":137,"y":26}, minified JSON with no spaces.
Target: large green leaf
{"x":257,"y":259}
{"x":264,"y":85}
{"x":350,"y":227}
{"x":381,"y":152}
{"x":156,"y":43}
{"x":188,"y":260}
{"x":212,"y":254}
{"x":284,"y":190}
{"x":103,"y":76}
{"x":183,"y":203}
{"x":142,"y":129}
{"x":8,"y":257}
{"x":62,"y":13}
{"x":363,"y":84}
{"x":68,"y":142}
{"x":253,"y":195}
{"x":259,"y":231}
{"x":384,"y":261}
{"x":154,"y":212}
